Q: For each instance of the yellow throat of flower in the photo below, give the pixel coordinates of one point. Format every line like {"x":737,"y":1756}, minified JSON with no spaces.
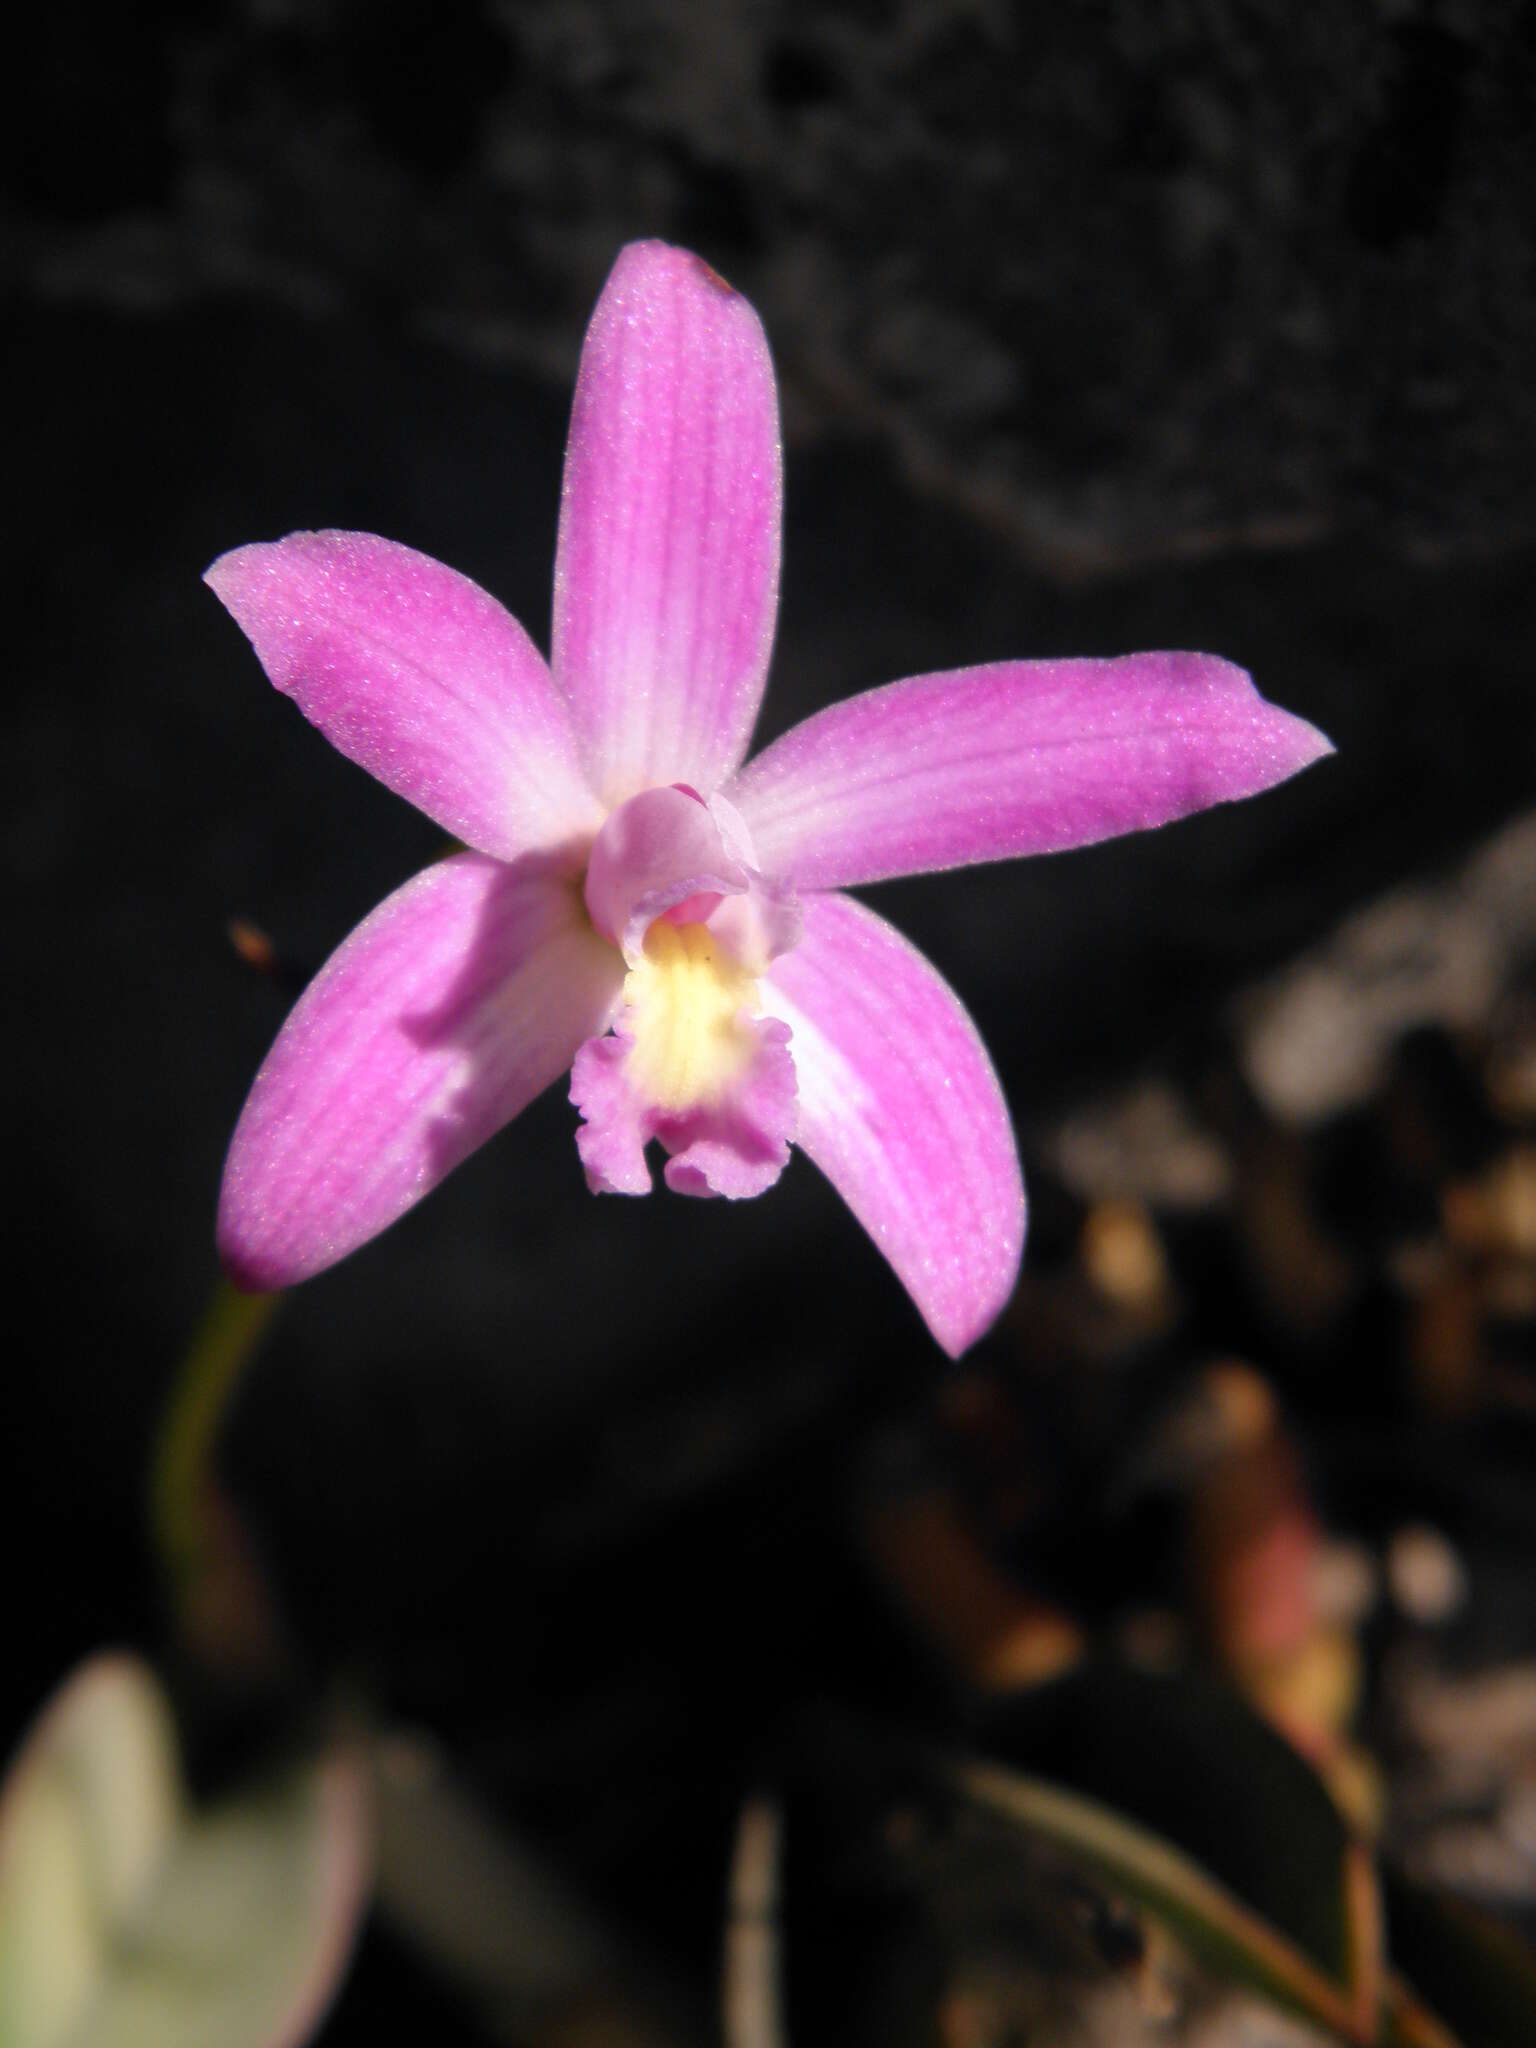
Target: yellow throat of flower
{"x":686,"y":997}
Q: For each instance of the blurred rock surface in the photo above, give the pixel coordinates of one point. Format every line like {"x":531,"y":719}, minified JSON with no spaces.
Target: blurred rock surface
{"x":1130,"y":281}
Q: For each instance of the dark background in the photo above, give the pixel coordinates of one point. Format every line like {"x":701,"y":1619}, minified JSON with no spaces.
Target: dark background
{"x":1098,"y":328}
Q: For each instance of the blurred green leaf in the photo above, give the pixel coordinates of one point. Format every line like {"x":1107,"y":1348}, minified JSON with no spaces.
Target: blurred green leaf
{"x":129,"y":1919}
{"x":1477,"y":1975}
{"x":968,"y":1874}
{"x":1185,"y":1758}
{"x":1213,"y":1925}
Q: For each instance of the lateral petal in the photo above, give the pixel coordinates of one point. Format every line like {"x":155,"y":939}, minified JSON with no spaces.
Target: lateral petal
{"x":446,"y":1011}
{"x":667,"y":570}
{"x":901,"y":1110}
{"x":420,"y":677}
{"x":1015,"y":757}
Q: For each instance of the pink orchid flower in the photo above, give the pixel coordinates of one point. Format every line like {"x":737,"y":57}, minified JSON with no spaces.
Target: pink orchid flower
{"x":637,"y":905}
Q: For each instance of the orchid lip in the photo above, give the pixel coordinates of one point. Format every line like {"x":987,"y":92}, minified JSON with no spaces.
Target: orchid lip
{"x":671,"y":881}
{"x":691,"y":1061}
{"x":689,"y":1007}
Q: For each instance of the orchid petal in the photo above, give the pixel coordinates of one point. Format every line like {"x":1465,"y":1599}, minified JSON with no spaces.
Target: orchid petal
{"x":420,"y":677}
{"x":1012,"y":758}
{"x":667,"y":571}
{"x":447,"y":1010}
{"x":901,"y":1110}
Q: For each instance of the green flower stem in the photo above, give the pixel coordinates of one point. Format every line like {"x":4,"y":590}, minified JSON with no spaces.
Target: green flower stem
{"x":225,"y":1342}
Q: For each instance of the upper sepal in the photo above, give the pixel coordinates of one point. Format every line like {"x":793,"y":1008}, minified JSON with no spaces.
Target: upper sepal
{"x":667,"y":570}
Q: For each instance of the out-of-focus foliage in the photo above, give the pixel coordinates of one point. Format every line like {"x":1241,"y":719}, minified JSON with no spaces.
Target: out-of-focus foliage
{"x":130,"y":1916}
{"x":912,"y":1895}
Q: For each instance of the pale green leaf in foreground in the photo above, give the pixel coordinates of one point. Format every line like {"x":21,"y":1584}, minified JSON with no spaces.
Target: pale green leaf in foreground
{"x":130,"y":1919}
